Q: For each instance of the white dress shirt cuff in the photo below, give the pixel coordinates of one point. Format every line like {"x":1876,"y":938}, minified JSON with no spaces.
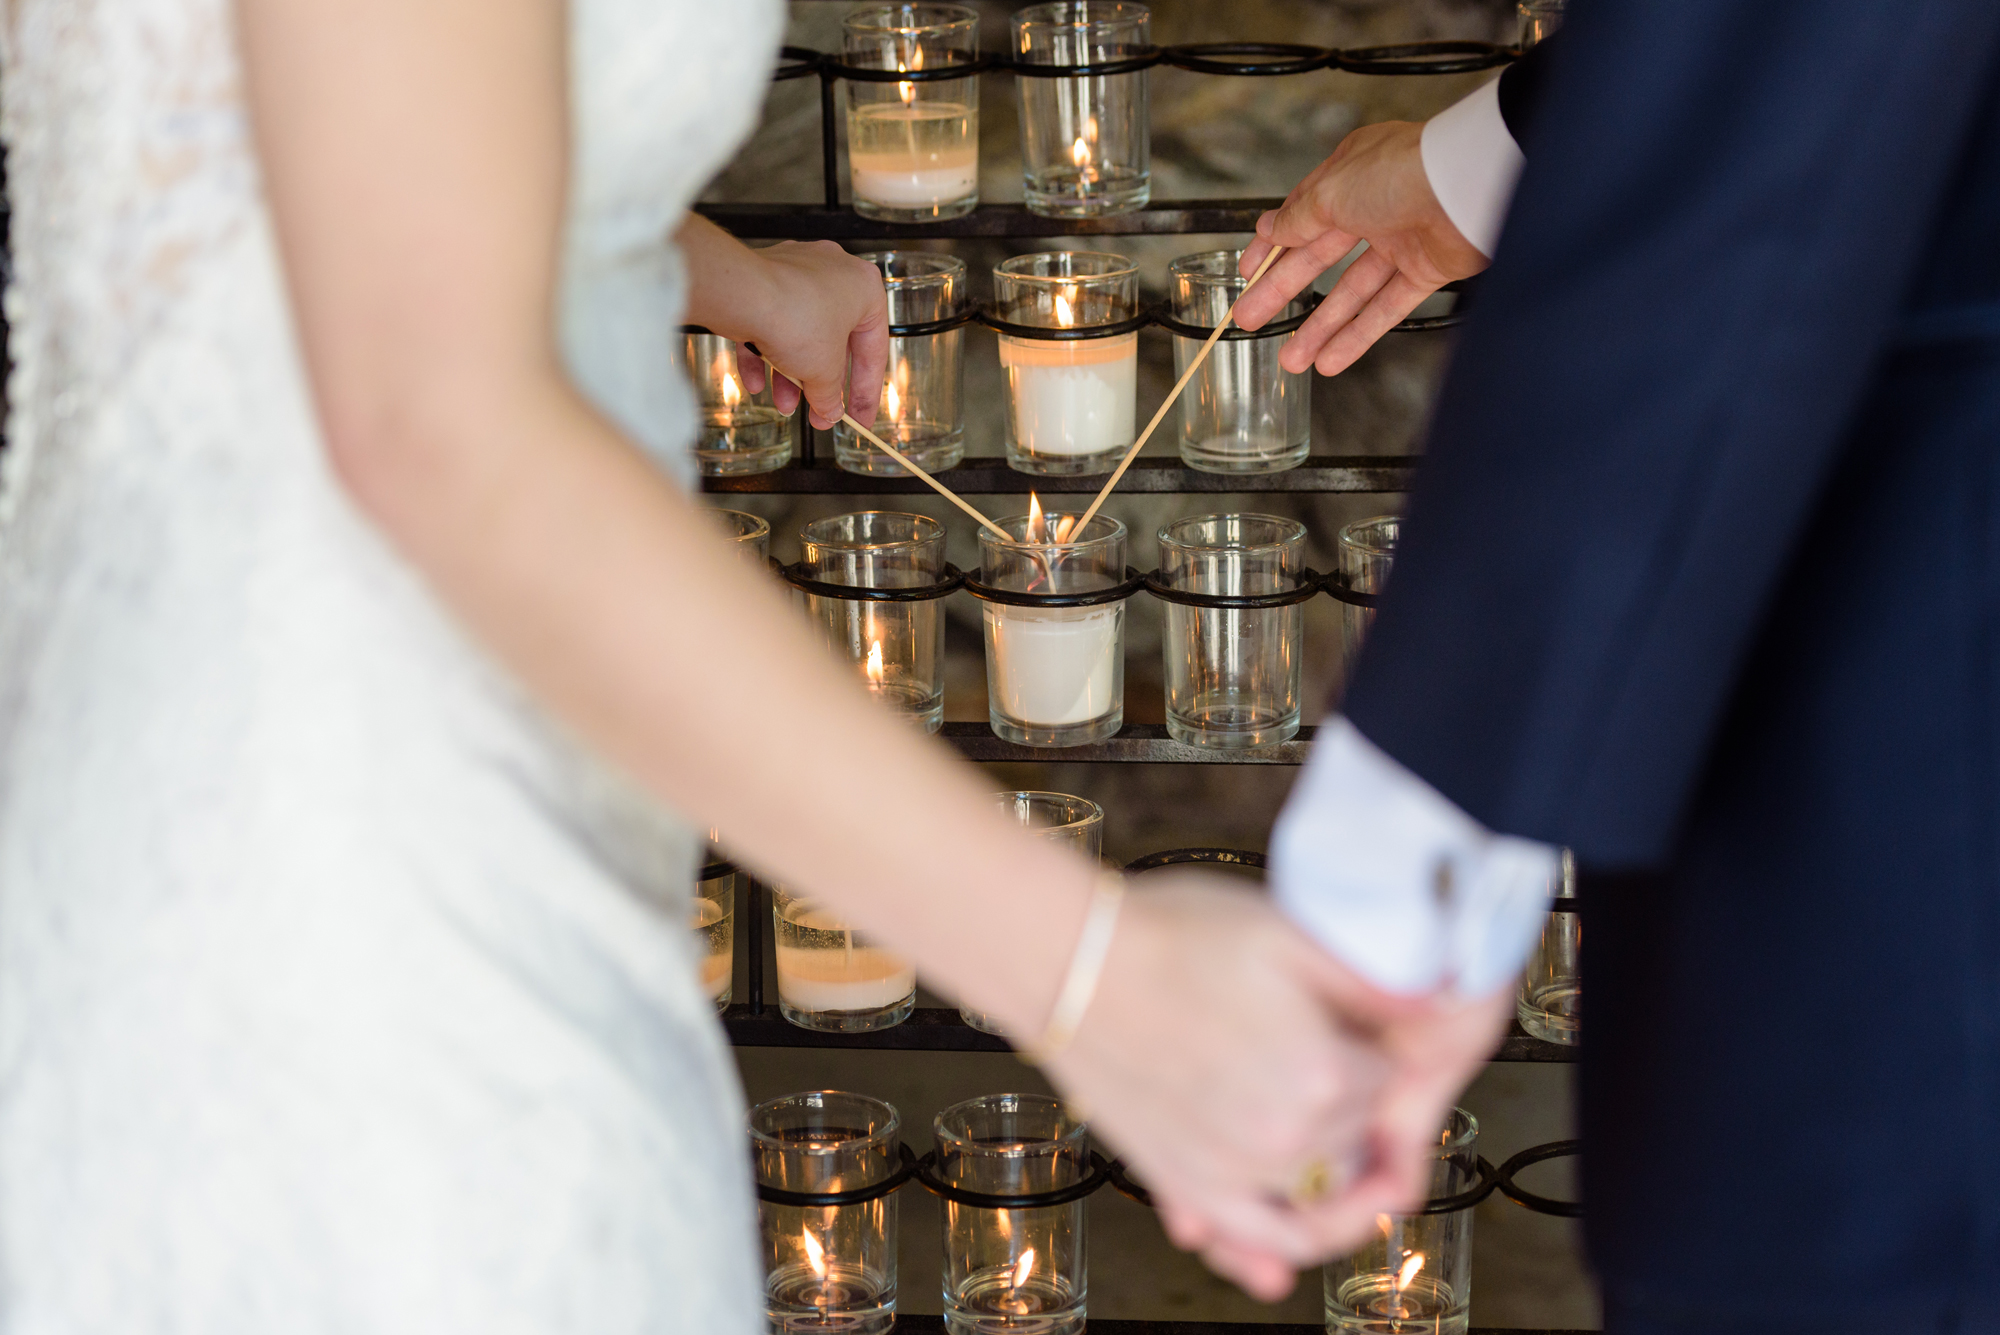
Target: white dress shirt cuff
{"x":1472,"y":163}
{"x":1398,"y":883}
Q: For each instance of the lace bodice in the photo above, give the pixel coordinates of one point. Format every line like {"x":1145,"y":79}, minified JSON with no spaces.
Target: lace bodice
{"x":339,"y":989}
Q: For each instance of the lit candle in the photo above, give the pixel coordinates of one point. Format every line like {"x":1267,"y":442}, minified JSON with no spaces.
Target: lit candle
{"x":1071,"y":402}
{"x":911,"y":154}
{"x":822,"y":968}
{"x":712,"y":926}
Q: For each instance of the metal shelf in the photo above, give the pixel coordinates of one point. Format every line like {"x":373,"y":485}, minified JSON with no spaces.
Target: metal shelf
{"x":1135,"y":744}
{"x":813,"y":222}
{"x":1337,"y":473}
{"x":910,"y":1323}
{"x":938,"y":1029}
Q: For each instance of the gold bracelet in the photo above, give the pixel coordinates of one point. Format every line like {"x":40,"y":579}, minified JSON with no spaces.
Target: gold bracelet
{"x":1086,"y":966}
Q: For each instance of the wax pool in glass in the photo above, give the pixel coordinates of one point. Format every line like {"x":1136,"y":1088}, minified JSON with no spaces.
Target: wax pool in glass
{"x":896,"y":648}
{"x":1415,"y":1272}
{"x":1013,"y":1272}
{"x":1550,"y":1002}
{"x":912,"y":145}
{"x":1366,"y":550}
{"x":715,"y":929}
{"x":829,"y":978}
{"x":831,"y":1268}
{"x":1058,"y":818}
{"x":1055,"y":676}
{"x":1233,"y":673}
{"x":1242,"y":412}
{"x":923,"y":387}
{"x":741,"y":432}
{"x":1084,"y":146}
{"x":1071,"y":402}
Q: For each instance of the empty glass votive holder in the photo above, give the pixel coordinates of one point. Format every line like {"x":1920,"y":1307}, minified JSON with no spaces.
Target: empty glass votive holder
{"x":1055,"y":675}
{"x":1415,"y":1273}
{"x":1071,"y":402}
{"x":897,"y":648}
{"x":829,"y":978}
{"x":1550,"y":1002}
{"x":1085,"y":148}
{"x":827,"y":1268}
{"x":1013,"y":1270}
{"x":715,"y":928}
{"x":912,"y":145}
{"x":741,"y":432}
{"x":1057,"y":818}
{"x":751,"y":535}
{"x":1242,"y":412}
{"x":923,"y":387}
{"x":1366,"y":550}
{"x":1233,"y":673}
{"x":1539,"y":20}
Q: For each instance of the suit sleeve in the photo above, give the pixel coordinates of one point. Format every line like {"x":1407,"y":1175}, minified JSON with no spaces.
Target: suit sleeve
{"x":1722,"y":210}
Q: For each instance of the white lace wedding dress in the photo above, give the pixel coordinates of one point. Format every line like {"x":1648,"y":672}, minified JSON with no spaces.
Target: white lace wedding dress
{"x":338,"y":992}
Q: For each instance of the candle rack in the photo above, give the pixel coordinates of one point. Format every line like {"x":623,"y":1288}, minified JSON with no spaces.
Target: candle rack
{"x":750,"y":1022}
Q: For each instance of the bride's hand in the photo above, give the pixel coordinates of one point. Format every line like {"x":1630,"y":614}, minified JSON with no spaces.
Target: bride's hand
{"x":1215,"y":1060}
{"x":825,"y":319}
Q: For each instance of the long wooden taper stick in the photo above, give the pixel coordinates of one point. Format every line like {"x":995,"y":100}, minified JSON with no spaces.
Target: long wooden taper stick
{"x":905,"y":461}
{"x":1175,"y":393}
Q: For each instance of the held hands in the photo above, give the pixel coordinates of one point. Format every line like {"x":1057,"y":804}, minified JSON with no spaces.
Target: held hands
{"x":1272,"y":1100}
{"x":1373,"y":189}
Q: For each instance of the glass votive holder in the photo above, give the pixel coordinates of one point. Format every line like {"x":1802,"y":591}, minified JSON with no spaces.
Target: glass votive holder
{"x":1233,"y":673}
{"x":1550,"y":1002}
{"x":1013,"y":1270}
{"x":1539,"y":20}
{"x":715,"y":928}
{"x":741,"y":432}
{"x":1242,"y":412}
{"x":1057,"y":818}
{"x":1055,"y":674}
{"x":912,"y":145}
{"x":1071,"y":402}
{"x":1366,"y":550}
{"x":897,"y":648}
{"x":923,"y":387}
{"x":751,"y":535}
{"x":1415,"y":1274}
{"x":829,"y":978}
{"x":1085,"y":150}
{"x":827,"y":1268}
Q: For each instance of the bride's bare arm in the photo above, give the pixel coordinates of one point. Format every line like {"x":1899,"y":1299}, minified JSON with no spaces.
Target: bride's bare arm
{"x":414,"y":153}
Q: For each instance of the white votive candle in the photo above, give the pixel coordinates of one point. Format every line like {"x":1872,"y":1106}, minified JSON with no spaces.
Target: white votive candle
{"x":912,"y":156}
{"x":822,"y":968}
{"x":1054,"y":666}
{"x":1071,"y":398}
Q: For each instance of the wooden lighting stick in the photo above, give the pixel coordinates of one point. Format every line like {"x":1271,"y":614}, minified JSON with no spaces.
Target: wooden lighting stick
{"x":904,"y":460}
{"x":1174,"y":394}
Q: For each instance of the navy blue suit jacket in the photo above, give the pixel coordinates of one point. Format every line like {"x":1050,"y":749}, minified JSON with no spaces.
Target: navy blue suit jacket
{"x":1702,"y":579}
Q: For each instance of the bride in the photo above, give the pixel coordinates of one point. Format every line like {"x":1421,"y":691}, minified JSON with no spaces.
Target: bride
{"x":365,"y":667}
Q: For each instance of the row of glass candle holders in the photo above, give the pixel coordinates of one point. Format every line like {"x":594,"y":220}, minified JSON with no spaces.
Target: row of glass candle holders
{"x":832,"y":980}
{"x":1071,"y":400}
{"x":1020,"y":1270}
{"x":913,"y":144}
{"x":1055,"y":673}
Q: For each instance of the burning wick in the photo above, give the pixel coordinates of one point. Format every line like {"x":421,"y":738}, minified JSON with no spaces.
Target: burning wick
{"x":732,"y":391}
{"x":1014,"y":1302}
{"x":1038,"y":524}
{"x":874,"y":666}
{"x":1079,"y":154}
{"x":816,"y":1260}
{"x":1026,"y":1267}
{"x":1411,"y":1265}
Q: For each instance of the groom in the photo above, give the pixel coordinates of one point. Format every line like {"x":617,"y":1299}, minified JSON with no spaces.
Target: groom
{"x":1702,"y":579}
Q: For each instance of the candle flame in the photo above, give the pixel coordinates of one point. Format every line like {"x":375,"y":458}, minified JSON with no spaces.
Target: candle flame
{"x":1040,"y":530}
{"x":1079,"y":153}
{"x":908,"y":91}
{"x":1065,"y":310}
{"x":732,"y":389}
{"x":815,"y":1254}
{"x":1411,"y":1265}
{"x":1023,"y":1268}
{"x":874,"y":668}
{"x":893,"y":391}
